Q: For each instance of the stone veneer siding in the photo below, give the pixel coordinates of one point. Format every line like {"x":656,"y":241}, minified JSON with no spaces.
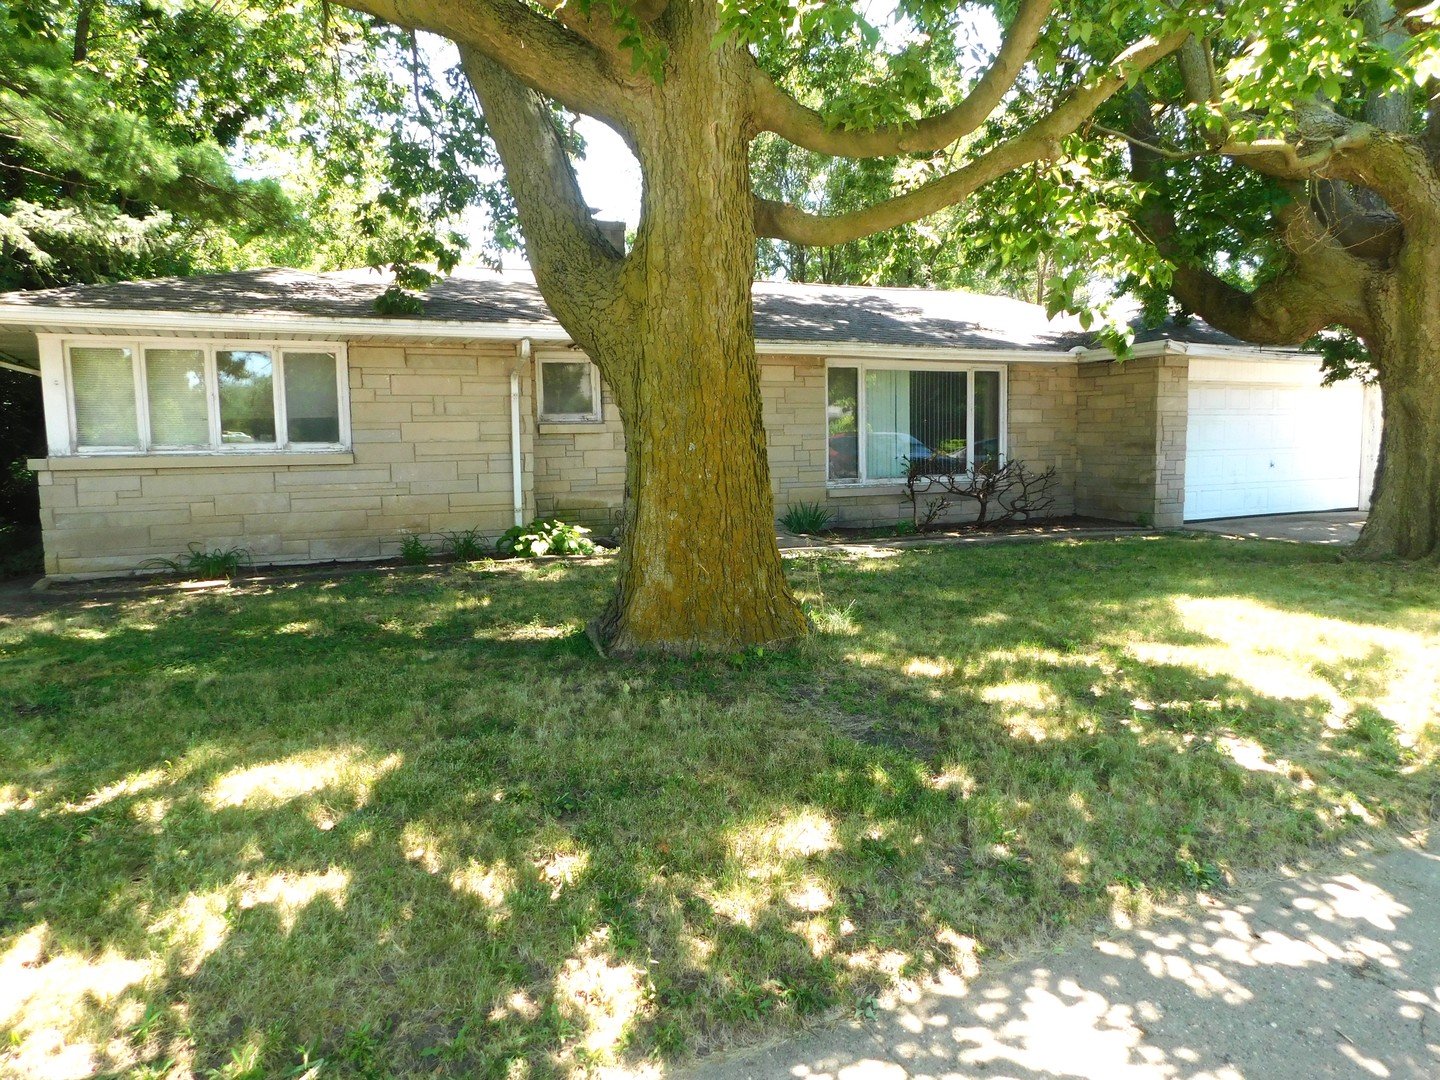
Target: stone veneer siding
{"x":1131,"y":440}
{"x":430,"y":429}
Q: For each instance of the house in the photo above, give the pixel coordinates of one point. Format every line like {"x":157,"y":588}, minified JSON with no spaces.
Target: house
{"x":275,"y":410}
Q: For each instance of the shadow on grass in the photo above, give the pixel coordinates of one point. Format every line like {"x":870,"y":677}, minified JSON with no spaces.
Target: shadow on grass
{"x":394,"y":826}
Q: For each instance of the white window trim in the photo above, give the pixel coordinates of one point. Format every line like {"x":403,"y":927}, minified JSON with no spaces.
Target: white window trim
{"x":56,"y":373}
{"x":596,"y":416}
{"x":910,"y":365}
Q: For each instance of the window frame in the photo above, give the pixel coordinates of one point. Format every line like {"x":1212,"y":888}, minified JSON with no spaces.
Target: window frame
{"x":863,"y":365}
{"x":595,"y":417}
{"x":276,"y":347}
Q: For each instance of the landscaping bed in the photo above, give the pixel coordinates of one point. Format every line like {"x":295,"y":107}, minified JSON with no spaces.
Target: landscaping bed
{"x":393,"y":824}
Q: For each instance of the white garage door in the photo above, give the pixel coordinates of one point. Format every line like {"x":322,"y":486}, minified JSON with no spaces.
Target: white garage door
{"x":1271,"y":448}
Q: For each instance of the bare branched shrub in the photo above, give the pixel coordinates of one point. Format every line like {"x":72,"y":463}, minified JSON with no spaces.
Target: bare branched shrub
{"x":1012,"y":491}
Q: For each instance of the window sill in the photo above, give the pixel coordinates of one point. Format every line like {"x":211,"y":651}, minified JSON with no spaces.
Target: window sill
{"x":857,"y":491}
{"x":572,"y":427}
{"x":251,"y":459}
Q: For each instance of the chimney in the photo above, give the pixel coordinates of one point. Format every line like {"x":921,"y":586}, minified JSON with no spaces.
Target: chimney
{"x":613,"y":231}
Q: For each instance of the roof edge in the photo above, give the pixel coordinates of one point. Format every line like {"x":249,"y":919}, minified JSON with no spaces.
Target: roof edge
{"x":130,"y":319}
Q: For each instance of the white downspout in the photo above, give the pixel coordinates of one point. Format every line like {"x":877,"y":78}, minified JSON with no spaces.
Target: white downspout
{"x":516,"y":479}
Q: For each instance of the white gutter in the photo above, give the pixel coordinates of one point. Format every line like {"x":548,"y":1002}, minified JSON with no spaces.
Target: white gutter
{"x":1195,"y":349}
{"x":50,"y":319}
{"x":1139,"y":352}
{"x":915,"y":352}
{"x":516,"y":478}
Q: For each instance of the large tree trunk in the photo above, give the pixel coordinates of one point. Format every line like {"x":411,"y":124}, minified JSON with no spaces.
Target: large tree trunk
{"x":1405,"y":510}
{"x":700,"y":569}
{"x":671,"y":328}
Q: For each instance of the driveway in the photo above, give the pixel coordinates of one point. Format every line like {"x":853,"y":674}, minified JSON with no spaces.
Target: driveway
{"x":1338,"y":527}
{"x":1326,"y":974}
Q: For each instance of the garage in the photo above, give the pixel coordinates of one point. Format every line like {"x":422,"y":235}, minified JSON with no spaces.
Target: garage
{"x":1266,"y":437}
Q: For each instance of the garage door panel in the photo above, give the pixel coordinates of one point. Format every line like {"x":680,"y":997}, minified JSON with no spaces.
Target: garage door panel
{"x":1267,"y":449}
{"x":1207,"y":399}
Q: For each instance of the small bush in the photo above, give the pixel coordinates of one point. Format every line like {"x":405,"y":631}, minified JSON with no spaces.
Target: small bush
{"x":413,"y":550}
{"x":545,"y":536}
{"x":202,"y":562}
{"x":806,"y":518}
{"x":467,"y":546}
{"x":1017,"y":492}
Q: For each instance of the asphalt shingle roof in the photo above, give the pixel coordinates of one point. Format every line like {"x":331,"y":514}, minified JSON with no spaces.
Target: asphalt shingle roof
{"x":784,"y":311}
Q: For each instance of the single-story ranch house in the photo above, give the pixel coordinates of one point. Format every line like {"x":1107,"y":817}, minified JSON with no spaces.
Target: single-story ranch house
{"x":275,"y":410}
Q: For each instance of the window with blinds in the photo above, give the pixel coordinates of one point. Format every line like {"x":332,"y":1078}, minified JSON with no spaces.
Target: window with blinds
{"x":885,"y":420}
{"x":179,"y":404}
{"x":103,"y":381}
{"x":168,"y":396}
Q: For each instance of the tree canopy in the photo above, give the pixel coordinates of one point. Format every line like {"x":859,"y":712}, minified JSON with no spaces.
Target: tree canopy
{"x":139,"y":139}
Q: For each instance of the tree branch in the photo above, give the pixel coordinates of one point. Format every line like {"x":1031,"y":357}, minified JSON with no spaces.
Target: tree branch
{"x":1322,"y":285}
{"x":575,"y":267}
{"x":1154,"y":148}
{"x":536,"y":49}
{"x":777,"y":111}
{"x":1328,"y":146}
{"x":786,"y":222}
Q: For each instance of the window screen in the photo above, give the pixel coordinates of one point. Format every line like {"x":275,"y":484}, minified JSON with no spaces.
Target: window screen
{"x":567,"y":389}
{"x":312,"y":402}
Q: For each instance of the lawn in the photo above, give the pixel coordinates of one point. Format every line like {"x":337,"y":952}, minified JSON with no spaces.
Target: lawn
{"x":408,"y":823}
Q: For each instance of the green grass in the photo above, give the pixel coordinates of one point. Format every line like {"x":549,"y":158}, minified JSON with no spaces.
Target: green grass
{"x":405,"y":825}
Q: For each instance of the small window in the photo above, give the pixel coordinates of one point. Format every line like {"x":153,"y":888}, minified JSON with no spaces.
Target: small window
{"x":247,"y":396}
{"x":569,"y":390}
{"x":179,"y":403}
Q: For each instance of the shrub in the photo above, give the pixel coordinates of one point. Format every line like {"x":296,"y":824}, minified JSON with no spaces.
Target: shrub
{"x":1018,"y":493}
{"x":545,"y":536}
{"x":806,"y":518}
{"x":413,"y":550}
{"x":467,"y":546}
{"x":202,"y":562}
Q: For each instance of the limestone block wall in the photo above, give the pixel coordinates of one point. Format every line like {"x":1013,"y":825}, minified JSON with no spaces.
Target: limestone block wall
{"x":430,"y":453}
{"x":580,"y":469}
{"x":1131,"y":439}
{"x":792,"y":391}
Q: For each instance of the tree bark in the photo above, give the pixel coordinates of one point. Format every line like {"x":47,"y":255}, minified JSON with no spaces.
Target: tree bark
{"x":671,"y":328}
{"x":699,"y":565}
{"x":1404,"y":518}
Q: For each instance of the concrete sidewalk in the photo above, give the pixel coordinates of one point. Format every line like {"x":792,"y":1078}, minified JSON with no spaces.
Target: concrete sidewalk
{"x":1333,"y":974}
